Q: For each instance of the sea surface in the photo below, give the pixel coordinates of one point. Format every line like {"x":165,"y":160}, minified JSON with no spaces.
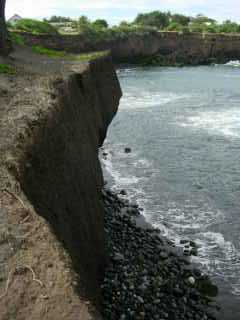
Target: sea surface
{"x":183,"y":126}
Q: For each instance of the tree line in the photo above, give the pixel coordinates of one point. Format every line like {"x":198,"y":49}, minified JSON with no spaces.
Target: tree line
{"x":156,"y":20}
{"x":179,"y":22}
{"x":100,"y":29}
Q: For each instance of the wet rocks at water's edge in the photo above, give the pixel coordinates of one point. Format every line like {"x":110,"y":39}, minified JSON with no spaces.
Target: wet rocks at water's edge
{"x":146,"y":278}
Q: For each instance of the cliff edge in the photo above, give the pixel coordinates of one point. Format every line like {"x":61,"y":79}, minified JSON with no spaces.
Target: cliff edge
{"x":53,"y":118}
{"x":170,"y":48}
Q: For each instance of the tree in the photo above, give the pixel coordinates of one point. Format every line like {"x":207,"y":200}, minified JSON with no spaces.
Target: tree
{"x":58,"y":19}
{"x":156,"y":19}
{"x":4,"y":41}
{"x":124,"y":24}
{"x":211,"y":28}
{"x":174,"y":26}
{"x":84,"y":25}
{"x":100,"y":24}
{"x":202,"y":23}
{"x":229,"y":27}
{"x":197,"y":27}
{"x":180,"y":19}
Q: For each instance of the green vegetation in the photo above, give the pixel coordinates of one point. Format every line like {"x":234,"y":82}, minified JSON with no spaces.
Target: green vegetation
{"x":34,"y":26}
{"x":64,"y":55}
{"x":177,"y":22}
{"x":16,"y":38}
{"x":146,"y":23}
{"x":48,"y":52}
{"x":58,"y":19}
{"x":228,"y":26}
{"x":99,"y":29}
{"x":157,"y":19}
{"x":6,"y":69}
{"x":100,"y":24}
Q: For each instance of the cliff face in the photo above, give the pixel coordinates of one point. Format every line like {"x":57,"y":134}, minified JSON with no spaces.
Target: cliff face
{"x":63,"y":178}
{"x":194,"y":48}
{"x":51,"y":129}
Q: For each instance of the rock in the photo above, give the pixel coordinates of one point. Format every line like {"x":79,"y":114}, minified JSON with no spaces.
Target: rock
{"x":193,"y":244}
{"x":194,"y":252}
{"x":123,"y":192}
{"x":147,"y":278}
{"x":127,"y":150}
{"x":184,"y":241}
{"x":163,"y":255}
{"x":191,"y":281}
{"x":118,"y":257}
{"x":207,"y":288}
{"x":140,"y":299}
{"x":197,"y":273}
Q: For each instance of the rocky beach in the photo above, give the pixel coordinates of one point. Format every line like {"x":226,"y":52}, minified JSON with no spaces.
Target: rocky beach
{"x":147,"y":277}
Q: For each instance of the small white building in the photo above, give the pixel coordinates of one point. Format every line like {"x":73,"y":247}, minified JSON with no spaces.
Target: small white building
{"x":14,"y":19}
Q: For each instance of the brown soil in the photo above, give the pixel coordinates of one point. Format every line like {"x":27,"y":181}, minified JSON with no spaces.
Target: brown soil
{"x":37,"y":277}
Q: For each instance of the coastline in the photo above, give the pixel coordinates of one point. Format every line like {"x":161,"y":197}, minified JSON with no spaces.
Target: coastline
{"x":226,"y":299}
{"x":134,"y":247}
{"x":147,"y":277}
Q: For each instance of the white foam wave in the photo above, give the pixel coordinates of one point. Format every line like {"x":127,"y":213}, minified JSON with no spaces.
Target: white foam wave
{"x":233,"y":63}
{"x":126,"y":71}
{"x":225,"y":122}
{"x":142,"y":163}
{"x":216,"y":255}
{"x":142,"y":100}
{"x":129,"y":181}
{"x":219,"y":257}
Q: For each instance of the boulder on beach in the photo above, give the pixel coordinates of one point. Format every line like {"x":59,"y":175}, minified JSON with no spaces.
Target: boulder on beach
{"x":127,"y":150}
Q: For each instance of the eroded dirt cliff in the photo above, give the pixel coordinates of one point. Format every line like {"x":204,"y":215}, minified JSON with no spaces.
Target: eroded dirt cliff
{"x":53,"y":118}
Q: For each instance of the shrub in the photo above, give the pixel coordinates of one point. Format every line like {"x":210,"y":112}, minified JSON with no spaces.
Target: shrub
{"x":229,"y":27}
{"x":17,"y":38}
{"x":156,"y":19}
{"x":35,"y":26}
{"x":48,"y":52}
{"x":6,"y":69}
{"x":180,"y":19}
{"x":58,"y":19}
{"x":100,"y":24}
{"x":174,"y":26}
{"x":62,"y":54}
{"x":197,"y":27}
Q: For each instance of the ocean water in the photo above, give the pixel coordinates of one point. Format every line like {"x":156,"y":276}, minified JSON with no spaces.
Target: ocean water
{"x":183,"y":126}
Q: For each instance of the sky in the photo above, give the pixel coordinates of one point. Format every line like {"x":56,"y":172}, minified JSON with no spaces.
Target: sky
{"x":118,"y":10}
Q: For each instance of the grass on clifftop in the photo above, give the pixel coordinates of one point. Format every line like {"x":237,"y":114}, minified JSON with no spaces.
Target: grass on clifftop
{"x":48,"y":52}
{"x":34,"y":27}
{"x":64,"y":55}
{"x":6,"y":69}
